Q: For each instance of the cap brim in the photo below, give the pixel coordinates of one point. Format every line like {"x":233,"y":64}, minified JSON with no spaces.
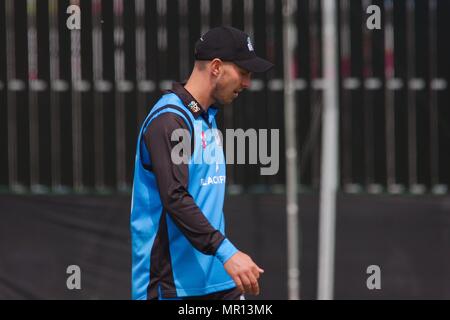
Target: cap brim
{"x":255,"y":64}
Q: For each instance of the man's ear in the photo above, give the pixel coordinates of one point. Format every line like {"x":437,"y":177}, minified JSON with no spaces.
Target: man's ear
{"x":216,"y":67}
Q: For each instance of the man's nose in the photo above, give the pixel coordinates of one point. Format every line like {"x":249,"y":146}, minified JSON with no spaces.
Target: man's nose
{"x":246,"y":81}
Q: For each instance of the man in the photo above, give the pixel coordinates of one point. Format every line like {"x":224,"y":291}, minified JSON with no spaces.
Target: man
{"x":179,"y":248}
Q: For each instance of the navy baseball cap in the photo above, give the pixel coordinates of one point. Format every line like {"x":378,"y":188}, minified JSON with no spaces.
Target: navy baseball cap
{"x":232,"y":45}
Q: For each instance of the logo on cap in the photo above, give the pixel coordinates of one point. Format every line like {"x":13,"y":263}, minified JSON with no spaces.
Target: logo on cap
{"x":193,"y":106}
{"x":249,"y":44}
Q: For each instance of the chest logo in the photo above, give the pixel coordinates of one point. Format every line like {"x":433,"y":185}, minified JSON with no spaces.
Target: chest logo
{"x":193,"y":106}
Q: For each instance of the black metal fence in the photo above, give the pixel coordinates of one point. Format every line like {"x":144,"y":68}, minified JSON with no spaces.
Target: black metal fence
{"x":71,"y":101}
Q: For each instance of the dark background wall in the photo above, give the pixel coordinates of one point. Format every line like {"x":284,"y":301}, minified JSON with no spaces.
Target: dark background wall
{"x":407,"y":237}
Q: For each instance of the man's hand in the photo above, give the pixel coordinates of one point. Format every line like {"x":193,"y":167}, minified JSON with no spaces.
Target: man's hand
{"x":244,"y":272}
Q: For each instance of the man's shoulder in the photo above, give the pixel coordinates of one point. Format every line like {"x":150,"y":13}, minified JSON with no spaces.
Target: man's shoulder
{"x":168,"y":97}
{"x":167,"y":121}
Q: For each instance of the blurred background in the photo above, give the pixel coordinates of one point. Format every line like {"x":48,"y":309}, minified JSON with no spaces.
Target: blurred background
{"x":72,"y":101}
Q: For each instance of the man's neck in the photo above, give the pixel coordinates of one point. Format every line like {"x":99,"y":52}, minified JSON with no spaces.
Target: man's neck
{"x":200,"y":91}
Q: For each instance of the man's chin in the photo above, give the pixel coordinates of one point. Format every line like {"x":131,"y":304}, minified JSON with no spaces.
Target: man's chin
{"x":230,"y":100}
{"x":224,"y":103}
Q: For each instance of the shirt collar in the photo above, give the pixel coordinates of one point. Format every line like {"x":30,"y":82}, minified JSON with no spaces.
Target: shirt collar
{"x":188,"y":100}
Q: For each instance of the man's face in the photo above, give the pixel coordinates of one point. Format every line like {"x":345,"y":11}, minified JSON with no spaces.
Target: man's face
{"x":231,"y":81}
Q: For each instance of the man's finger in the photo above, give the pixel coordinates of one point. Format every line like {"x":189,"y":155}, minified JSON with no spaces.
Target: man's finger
{"x":246,"y":283}
{"x":254,"y":284}
{"x":257,"y":271}
{"x":239,"y":284}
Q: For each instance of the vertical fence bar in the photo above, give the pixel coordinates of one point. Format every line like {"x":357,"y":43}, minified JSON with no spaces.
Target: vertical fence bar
{"x":161,"y":8}
{"x":57,"y":85}
{"x":183,"y":40}
{"x":121,"y":88}
{"x":77,"y":88}
{"x":233,"y":182}
{"x":433,"y":95}
{"x":204,"y":15}
{"x":33,"y":95}
{"x":289,"y":44}
{"x":389,"y":97}
{"x":330,"y":152}
{"x":3,"y":102}
{"x":272,"y":100}
{"x":13,"y":86}
{"x":411,"y":97}
{"x":251,"y":117}
{"x":227,"y":7}
{"x":315,"y":88}
{"x":369,"y":86}
{"x":144,"y":85}
{"x":248,"y":18}
{"x":346,"y":73}
{"x":100,"y":86}
{"x":227,"y":21}
{"x":255,"y":19}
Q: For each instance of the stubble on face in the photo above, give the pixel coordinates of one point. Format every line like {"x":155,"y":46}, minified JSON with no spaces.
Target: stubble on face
{"x":228,"y":85}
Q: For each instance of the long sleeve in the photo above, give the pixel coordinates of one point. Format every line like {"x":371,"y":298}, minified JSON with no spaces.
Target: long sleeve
{"x":172,"y":180}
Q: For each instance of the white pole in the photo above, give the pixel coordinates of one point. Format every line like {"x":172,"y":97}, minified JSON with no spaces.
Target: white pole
{"x":289,"y":43}
{"x":330,"y":140}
